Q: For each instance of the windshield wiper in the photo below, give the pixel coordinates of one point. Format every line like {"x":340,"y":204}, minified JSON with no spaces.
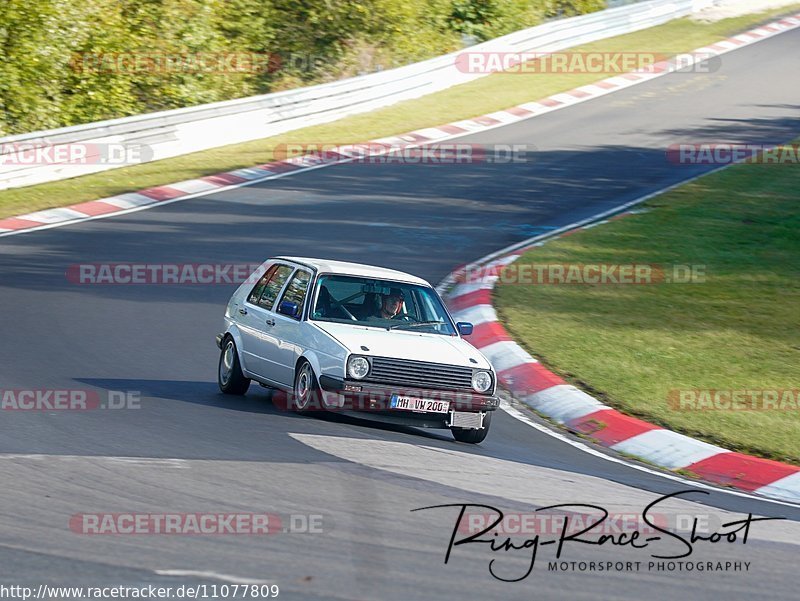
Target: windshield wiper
{"x":415,"y":324}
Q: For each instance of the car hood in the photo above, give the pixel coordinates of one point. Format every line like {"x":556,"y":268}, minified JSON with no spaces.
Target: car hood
{"x":403,"y":344}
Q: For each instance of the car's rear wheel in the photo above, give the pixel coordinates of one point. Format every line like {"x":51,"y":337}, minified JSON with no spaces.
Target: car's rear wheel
{"x":305,"y":394}
{"x":230,"y":378}
{"x":473,"y":436}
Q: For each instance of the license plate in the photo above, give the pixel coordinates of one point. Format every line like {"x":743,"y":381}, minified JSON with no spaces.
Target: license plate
{"x":412,"y":403}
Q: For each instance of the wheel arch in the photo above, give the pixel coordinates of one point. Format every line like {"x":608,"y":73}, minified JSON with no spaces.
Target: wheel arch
{"x":234,"y":333}
{"x":313,"y":360}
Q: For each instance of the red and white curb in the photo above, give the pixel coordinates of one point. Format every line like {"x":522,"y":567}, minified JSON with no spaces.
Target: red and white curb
{"x":533,"y":384}
{"x":160,"y":195}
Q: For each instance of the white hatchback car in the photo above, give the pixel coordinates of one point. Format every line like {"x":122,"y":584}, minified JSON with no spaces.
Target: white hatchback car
{"x":354,"y":338}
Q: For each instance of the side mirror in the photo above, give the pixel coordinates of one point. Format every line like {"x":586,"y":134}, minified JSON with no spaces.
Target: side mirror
{"x":464,"y":328}
{"x":288,"y":308}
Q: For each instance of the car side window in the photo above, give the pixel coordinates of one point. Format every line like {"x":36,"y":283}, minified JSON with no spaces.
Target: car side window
{"x":296,"y":290}
{"x":273,"y":287}
{"x":255,"y":293}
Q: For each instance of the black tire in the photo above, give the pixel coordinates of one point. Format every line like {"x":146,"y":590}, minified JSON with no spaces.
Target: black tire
{"x":305,"y":395}
{"x":230,"y":378}
{"x":473,"y":436}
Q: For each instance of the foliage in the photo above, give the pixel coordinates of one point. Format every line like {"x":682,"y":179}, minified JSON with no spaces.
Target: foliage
{"x":66,"y":62}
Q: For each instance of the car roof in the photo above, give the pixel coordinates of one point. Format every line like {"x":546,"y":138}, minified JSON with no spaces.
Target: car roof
{"x":356,"y":269}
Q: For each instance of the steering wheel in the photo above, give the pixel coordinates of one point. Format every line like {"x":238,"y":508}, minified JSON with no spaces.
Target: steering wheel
{"x":405,"y":317}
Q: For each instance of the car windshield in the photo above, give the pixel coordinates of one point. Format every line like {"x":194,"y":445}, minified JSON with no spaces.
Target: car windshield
{"x":380,"y":303}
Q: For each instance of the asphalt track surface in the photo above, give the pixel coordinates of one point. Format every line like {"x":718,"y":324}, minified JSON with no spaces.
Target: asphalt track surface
{"x":200,"y":451}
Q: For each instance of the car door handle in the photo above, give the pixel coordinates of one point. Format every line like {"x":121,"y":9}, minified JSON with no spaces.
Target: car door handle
{"x":243,"y":311}
{"x":270,"y":322}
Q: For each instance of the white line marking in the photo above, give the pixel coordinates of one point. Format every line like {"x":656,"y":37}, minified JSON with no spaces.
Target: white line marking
{"x":141,"y":461}
{"x":213,"y":576}
{"x":591,"y":225}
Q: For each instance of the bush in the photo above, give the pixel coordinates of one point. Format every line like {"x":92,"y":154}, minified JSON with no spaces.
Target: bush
{"x":66,"y":62}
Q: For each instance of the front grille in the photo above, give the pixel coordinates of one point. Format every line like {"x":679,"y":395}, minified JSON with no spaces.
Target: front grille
{"x":419,"y":374}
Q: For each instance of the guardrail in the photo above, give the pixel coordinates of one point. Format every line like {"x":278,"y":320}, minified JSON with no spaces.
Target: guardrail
{"x":176,"y":132}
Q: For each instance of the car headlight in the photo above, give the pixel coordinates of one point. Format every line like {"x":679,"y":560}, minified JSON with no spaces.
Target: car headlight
{"x":481,"y":381}
{"x":357,"y":368}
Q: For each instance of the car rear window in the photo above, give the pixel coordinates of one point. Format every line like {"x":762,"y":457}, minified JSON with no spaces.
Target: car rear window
{"x":297,"y":288}
{"x":273,"y":286}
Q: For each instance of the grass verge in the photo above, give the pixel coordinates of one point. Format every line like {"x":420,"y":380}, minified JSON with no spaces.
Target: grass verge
{"x":634,"y":345}
{"x":485,"y":95}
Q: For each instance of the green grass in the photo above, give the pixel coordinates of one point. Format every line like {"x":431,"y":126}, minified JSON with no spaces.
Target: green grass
{"x":485,"y":95}
{"x":739,"y":329}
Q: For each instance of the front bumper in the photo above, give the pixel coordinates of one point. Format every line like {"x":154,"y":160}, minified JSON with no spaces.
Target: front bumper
{"x":356,"y":395}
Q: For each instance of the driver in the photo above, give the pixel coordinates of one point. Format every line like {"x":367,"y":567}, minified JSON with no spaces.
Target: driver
{"x":391,"y":304}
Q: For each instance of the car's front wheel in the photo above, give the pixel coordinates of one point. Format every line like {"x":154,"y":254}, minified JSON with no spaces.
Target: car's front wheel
{"x":473,"y":435}
{"x":305,"y":394}
{"x":230,"y":378}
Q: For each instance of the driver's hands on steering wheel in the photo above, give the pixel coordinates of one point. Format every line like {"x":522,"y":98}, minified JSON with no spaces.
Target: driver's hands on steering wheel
{"x":404,"y":317}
